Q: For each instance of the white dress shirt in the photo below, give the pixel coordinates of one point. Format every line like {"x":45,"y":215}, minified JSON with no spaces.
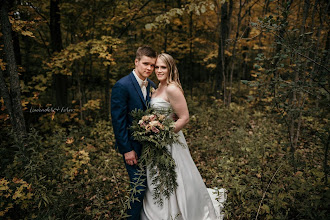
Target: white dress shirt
{"x":141,"y":84}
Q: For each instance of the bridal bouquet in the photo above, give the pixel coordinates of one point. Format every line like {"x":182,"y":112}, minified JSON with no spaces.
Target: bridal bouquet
{"x":155,"y":131}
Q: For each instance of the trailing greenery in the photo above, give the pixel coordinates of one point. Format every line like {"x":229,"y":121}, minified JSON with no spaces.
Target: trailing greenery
{"x":154,"y":129}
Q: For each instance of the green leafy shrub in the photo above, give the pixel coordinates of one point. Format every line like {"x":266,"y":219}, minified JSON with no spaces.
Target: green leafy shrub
{"x":71,"y":176}
{"x":246,"y":152}
{"x":75,"y":173}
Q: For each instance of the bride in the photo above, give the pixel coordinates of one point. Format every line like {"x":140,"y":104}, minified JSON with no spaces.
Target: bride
{"x":191,"y":200}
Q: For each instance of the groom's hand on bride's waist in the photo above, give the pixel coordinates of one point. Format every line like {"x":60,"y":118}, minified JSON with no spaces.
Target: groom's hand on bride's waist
{"x":131,"y":158}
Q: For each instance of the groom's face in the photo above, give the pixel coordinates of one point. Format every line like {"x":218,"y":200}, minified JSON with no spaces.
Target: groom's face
{"x":144,"y":67}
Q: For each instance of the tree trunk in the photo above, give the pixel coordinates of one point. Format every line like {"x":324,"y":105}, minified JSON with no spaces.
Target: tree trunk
{"x":55,"y":26}
{"x":12,"y":99}
{"x":297,"y":100}
{"x":239,"y":21}
{"x":326,"y":60}
{"x":7,"y":99}
{"x":191,"y":68}
{"x":17,"y":49}
{"x":313,"y":14}
{"x":220,"y":78}
{"x":60,"y":81}
{"x":280,"y":39}
{"x":266,"y":7}
{"x":245,"y":56}
{"x":166,"y":28}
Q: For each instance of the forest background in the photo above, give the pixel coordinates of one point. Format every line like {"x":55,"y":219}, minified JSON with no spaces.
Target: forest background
{"x":255,"y":75}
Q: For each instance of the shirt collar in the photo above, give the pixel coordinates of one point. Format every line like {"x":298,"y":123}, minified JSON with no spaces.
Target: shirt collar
{"x":140,"y":81}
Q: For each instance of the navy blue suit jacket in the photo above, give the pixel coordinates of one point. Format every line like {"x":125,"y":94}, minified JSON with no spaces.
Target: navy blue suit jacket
{"x":126,"y":96}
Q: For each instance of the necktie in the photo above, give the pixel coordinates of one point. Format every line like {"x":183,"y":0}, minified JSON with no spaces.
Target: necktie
{"x":144,"y":85}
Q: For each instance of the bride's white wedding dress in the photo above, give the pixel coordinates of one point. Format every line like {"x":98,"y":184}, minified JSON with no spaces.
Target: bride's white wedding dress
{"x":191,"y":200}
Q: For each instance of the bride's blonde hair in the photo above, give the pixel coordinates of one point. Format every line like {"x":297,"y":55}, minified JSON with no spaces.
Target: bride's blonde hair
{"x":173,"y":73}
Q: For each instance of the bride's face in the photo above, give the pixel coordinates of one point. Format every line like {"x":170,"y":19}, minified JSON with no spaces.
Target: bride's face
{"x":161,"y":70}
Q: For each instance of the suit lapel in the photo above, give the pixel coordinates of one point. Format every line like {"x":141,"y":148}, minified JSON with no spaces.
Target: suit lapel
{"x":148,"y":91}
{"x":138,"y":88}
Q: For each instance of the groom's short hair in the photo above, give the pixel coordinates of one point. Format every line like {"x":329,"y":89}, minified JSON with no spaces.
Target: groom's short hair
{"x":145,"y":51}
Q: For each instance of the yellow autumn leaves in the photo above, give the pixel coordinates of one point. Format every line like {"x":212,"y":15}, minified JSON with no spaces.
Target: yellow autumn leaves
{"x":62,"y":62}
{"x":78,"y":163}
{"x":14,"y":192}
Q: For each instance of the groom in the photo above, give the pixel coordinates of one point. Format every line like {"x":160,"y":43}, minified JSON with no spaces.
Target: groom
{"x":129,"y":93}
